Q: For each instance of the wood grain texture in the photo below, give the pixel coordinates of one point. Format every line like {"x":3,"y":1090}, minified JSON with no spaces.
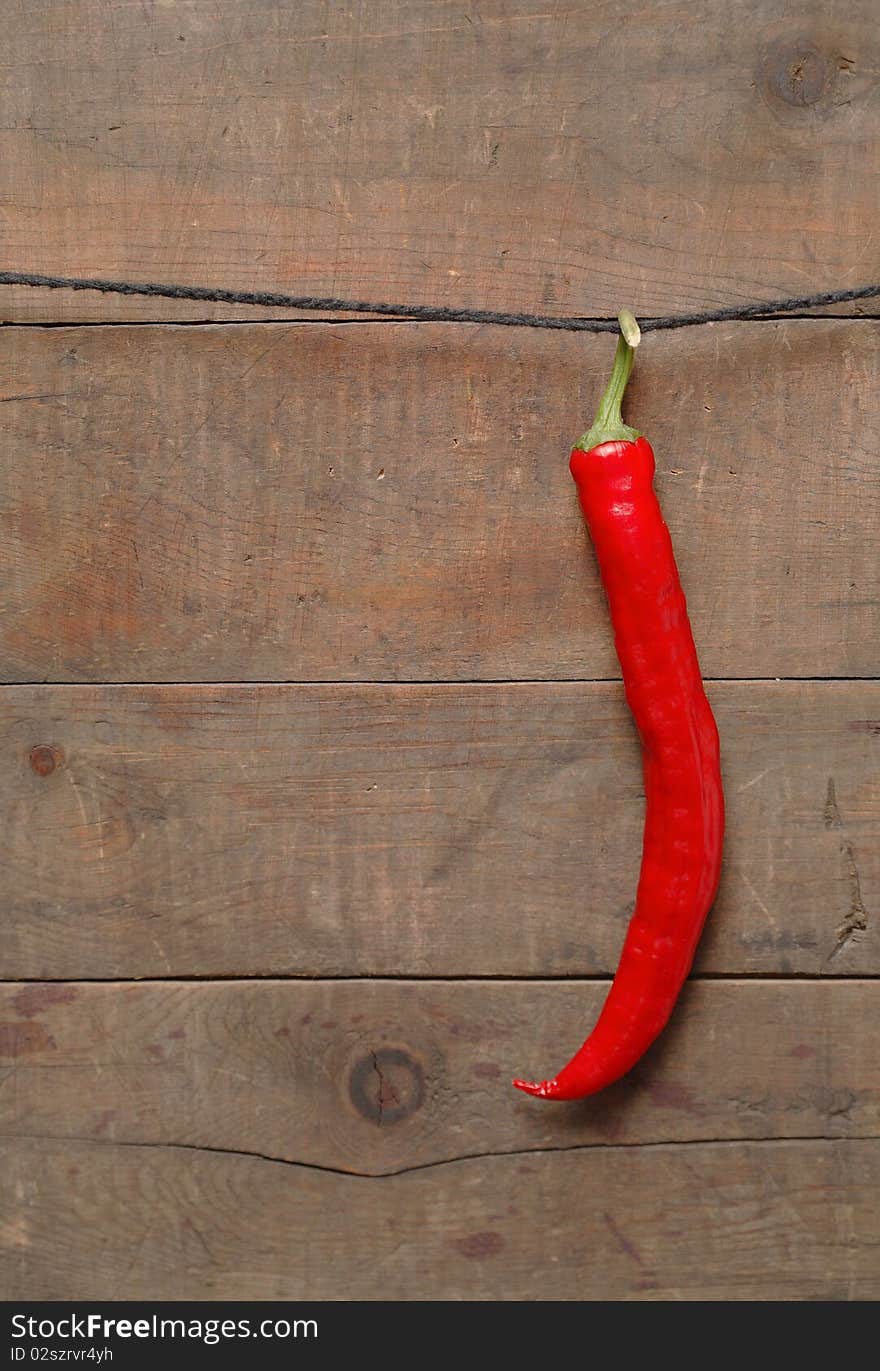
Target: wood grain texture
{"x":415,"y":830}
{"x":441,"y":152}
{"x":357,"y":503}
{"x":783,"y":1220}
{"x":391,"y":501}
{"x":382,"y":1077}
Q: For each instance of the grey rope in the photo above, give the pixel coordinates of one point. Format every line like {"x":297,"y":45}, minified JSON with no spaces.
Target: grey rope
{"x":437,"y":313}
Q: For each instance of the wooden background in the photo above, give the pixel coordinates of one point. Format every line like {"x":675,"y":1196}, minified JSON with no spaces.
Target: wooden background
{"x":320,"y":807}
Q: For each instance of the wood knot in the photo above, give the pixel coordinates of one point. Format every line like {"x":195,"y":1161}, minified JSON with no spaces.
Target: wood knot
{"x":44,"y":759}
{"x":798,"y":74}
{"x":387,"y":1085}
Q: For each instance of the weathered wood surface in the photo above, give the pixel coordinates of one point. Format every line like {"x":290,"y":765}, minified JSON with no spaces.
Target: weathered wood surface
{"x":782,"y":1219}
{"x":380,"y":1077}
{"x":441,"y":152}
{"x":383,"y":502}
{"x":393,"y":502}
{"x":415,"y":830}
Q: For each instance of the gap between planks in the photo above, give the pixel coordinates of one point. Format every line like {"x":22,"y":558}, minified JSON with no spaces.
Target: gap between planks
{"x":387,"y":321}
{"x":416,"y":683}
{"x":273,"y":978}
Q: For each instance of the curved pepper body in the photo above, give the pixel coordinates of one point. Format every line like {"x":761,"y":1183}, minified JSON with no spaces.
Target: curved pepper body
{"x":684,"y":819}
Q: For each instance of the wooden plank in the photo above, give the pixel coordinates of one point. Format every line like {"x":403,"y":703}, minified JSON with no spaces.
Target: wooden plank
{"x":379,"y":1077}
{"x":392,"y":501}
{"x":415,"y":830}
{"x":783,"y":1220}
{"x":433,"y":153}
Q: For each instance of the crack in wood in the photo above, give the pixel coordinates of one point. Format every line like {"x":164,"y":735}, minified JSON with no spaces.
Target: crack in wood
{"x":856,"y":919}
{"x":248,"y":1155}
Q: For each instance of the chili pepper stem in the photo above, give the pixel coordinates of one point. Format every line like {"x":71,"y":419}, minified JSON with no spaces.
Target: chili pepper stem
{"x":608,"y":426}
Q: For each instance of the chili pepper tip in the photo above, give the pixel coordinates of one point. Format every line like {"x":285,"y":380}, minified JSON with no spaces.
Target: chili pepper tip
{"x":544,"y":1090}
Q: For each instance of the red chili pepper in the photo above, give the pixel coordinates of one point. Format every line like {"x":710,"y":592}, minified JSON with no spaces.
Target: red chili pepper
{"x":613,"y":468}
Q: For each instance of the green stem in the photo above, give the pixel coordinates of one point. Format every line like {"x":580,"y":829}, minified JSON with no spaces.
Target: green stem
{"x":608,"y":426}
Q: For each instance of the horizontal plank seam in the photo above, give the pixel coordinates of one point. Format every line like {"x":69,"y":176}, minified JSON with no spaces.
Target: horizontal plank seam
{"x":244,"y":1154}
{"x":372,"y":323}
{"x":416,"y":683}
{"x":504,"y":978}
